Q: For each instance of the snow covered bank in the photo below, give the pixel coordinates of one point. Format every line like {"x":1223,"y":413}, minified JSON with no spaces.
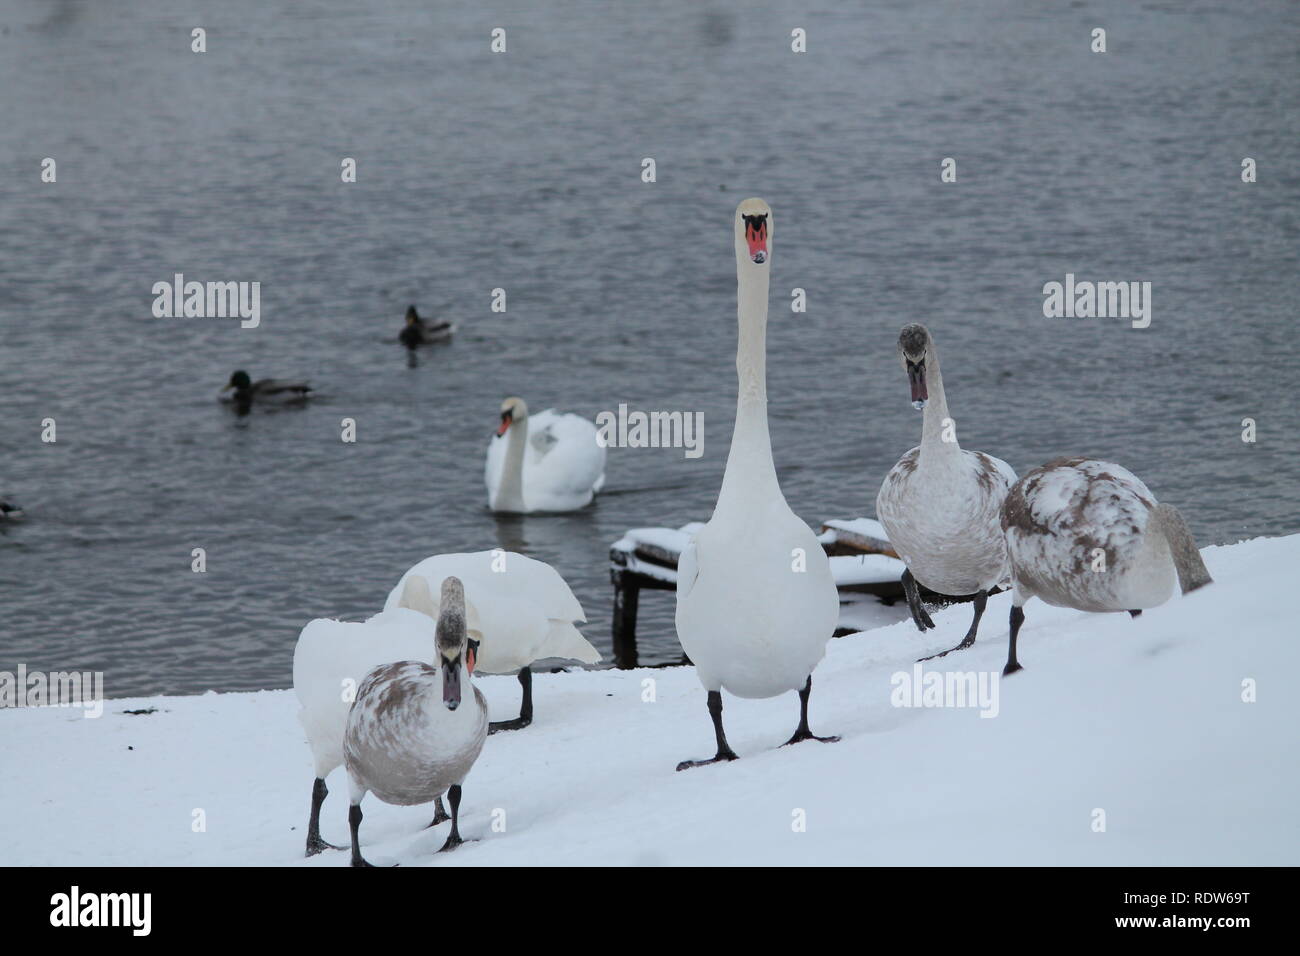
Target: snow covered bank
{"x":1142,"y":719}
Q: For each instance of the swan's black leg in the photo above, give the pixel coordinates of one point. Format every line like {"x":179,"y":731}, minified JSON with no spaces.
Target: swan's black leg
{"x":354,"y":821}
{"x":314,"y":842}
{"x":440,"y":814}
{"x":1017,"y":618}
{"x":525,"y":708}
{"x":919,"y":615}
{"x":724,"y":749}
{"x":980,"y":602}
{"x":1134,"y":613}
{"x":453,"y":838}
{"x":802,"y":732}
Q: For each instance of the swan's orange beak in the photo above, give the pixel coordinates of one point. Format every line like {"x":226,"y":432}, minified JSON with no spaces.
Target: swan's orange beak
{"x":756,"y":236}
{"x":506,"y":419}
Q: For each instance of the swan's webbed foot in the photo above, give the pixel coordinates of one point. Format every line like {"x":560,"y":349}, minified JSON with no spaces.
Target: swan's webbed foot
{"x":525,"y":707}
{"x":1134,"y":613}
{"x":722,"y":756}
{"x":317,"y":845}
{"x":440,"y":814}
{"x":920,"y":617}
{"x":354,"y":823}
{"x":453,"y":838}
{"x":518,"y":723}
{"x":803,"y":732}
{"x":981,"y":601}
{"x":725,"y":753}
{"x":966,"y":642}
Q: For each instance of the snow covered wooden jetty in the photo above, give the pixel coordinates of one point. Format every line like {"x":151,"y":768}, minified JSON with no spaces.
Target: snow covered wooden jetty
{"x":646,"y":559}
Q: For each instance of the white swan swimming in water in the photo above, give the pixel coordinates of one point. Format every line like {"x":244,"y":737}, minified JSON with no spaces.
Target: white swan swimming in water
{"x":545,"y":462}
{"x":1089,"y":535}
{"x":751,"y":619}
{"x":524,"y":609}
{"x":414,"y":732}
{"x":942,"y":505}
{"x":330,"y":661}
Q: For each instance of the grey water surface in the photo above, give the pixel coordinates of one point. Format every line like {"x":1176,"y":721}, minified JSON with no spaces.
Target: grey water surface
{"x":522,"y":171}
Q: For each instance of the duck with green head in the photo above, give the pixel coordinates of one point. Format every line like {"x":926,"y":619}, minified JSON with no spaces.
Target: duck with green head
{"x":278,"y":390}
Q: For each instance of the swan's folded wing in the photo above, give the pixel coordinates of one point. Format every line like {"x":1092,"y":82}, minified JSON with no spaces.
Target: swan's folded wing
{"x":542,"y":441}
{"x":565,"y":641}
{"x":1002,"y":468}
{"x":565,"y":461}
{"x":688,"y":570}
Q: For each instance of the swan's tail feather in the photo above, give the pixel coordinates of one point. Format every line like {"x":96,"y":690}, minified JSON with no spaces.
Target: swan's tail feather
{"x":565,"y":641}
{"x":1192,"y":573}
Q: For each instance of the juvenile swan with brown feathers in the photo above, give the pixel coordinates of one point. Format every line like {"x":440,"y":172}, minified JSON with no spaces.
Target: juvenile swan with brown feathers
{"x":415,"y":730}
{"x":942,"y":505}
{"x":1088,"y":534}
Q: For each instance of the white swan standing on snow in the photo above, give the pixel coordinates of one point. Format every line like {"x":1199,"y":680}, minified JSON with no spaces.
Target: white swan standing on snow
{"x":756,"y":601}
{"x":329,"y":663}
{"x":545,"y":462}
{"x":524,"y":610}
{"x":1089,"y":535}
{"x":942,"y":506}
{"x":413,"y":733}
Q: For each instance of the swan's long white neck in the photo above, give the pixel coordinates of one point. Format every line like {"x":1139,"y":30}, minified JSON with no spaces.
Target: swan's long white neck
{"x":933,"y":447}
{"x":510,"y":490}
{"x":751,"y":474}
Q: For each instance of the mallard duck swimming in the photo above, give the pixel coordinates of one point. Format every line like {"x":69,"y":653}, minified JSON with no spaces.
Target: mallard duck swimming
{"x":417,"y":331}
{"x":265,"y":389}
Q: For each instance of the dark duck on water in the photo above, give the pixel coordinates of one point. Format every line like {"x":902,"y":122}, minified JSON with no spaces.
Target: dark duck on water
{"x":418,"y":331}
{"x":277,"y":390}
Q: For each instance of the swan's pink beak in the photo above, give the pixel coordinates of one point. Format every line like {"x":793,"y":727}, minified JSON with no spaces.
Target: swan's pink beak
{"x":756,"y":236}
{"x":450,"y":684}
{"x":916,"y":377}
{"x":506,"y":418}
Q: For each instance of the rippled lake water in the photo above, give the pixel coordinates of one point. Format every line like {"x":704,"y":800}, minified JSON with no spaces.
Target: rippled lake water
{"x":522,"y":171}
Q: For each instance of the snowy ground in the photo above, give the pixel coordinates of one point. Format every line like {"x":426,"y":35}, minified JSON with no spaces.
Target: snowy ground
{"x":1143,"y":719}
